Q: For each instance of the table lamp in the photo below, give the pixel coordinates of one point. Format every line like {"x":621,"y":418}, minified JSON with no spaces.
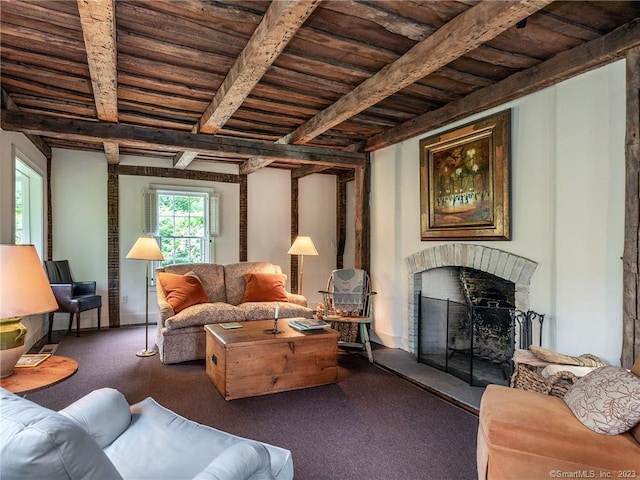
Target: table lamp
{"x":302,"y":246}
{"x":24,"y":291}
{"x":146,"y":248}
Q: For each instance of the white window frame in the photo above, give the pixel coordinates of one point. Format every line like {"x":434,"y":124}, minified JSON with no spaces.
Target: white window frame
{"x":212,"y":216}
{"x":33,"y":201}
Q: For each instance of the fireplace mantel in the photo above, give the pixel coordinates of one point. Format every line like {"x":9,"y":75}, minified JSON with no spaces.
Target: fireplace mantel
{"x":508,"y":266}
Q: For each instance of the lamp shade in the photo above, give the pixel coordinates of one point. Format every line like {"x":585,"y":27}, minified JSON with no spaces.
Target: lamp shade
{"x":303,"y":246}
{"x":145,"y":248}
{"x":24,"y":287}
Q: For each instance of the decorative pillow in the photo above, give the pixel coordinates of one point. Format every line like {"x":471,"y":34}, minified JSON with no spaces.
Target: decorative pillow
{"x":265,"y":287}
{"x":606,"y":400}
{"x":182,"y":291}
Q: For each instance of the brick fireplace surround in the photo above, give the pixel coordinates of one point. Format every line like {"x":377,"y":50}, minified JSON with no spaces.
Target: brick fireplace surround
{"x":502,"y":264}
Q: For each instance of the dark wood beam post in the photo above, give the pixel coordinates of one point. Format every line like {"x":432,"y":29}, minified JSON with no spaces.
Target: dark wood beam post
{"x":362,"y":182}
{"x":631,"y":258}
{"x":295,"y":228}
{"x":49,"y":213}
{"x":341,"y":219}
{"x":244,"y":215}
{"x":113,"y":245}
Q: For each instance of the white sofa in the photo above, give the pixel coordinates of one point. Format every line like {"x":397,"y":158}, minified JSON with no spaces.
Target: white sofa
{"x":101,"y":437}
{"x":181,"y":336}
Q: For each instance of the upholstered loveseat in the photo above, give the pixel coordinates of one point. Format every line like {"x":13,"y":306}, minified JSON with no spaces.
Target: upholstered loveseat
{"x":181,"y":335}
{"x":524,"y":434}
{"x":101,"y":437}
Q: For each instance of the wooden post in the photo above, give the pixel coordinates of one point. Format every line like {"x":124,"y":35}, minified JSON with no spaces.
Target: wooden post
{"x":294,"y":233}
{"x":244,"y":215}
{"x":630,"y":258}
{"x":113,"y":246}
{"x":362,"y":182}
{"x":341,"y":218}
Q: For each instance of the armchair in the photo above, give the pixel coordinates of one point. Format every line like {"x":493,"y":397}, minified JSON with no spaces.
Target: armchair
{"x":101,"y":436}
{"x":72,"y":297}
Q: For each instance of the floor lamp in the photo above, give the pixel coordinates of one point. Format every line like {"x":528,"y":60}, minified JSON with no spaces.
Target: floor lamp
{"x":302,"y":246}
{"x":146,"y":248}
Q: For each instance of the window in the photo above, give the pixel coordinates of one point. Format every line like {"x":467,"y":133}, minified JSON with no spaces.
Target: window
{"x":184,"y":222}
{"x":29,"y":205}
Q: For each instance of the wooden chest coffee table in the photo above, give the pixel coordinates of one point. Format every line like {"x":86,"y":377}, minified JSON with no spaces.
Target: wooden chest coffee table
{"x":247,"y":362}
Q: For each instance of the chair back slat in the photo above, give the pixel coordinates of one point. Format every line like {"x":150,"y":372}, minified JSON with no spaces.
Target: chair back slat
{"x":350,"y":289}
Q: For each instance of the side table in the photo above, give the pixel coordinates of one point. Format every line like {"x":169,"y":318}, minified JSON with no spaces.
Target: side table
{"x":53,"y":370}
{"x":364,"y":333}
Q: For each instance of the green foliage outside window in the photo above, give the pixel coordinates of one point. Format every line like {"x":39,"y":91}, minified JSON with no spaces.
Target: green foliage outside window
{"x":19,"y":215}
{"x":181,"y":225}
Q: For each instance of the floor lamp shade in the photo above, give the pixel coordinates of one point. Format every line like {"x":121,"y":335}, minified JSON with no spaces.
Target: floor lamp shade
{"x":24,"y":290}
{"x":146,"y":248}
{"x":302,"y":246}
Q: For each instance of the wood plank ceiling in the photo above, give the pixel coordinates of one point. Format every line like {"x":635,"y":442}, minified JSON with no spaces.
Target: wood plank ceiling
{"x":308,"y":85}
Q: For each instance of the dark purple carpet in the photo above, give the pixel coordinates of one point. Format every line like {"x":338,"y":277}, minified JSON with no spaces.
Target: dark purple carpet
{"x":370,"y":425}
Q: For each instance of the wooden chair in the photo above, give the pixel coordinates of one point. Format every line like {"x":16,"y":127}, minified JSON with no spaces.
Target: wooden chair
{"x":348,"y":305}
{"x":73,"y":297}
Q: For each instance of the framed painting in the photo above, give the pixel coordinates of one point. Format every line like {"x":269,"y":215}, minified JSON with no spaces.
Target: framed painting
{"x":464,"y":181}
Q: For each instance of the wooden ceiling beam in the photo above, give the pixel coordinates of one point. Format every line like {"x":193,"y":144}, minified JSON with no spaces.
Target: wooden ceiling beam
{"x":147,"y":137}
{"x":39,"y":143}
{"x":307,"y":170}
{"x":98,"y":21}
{"x":464,"y":33}
{"x":279,"y":24}
{"x":563,"y":66}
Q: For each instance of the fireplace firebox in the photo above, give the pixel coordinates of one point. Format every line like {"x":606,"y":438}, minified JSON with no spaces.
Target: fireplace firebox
{"x":473,"y":343}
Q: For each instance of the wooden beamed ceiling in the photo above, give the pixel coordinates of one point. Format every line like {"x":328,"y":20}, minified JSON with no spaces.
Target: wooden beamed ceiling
{"x":297,"y":84}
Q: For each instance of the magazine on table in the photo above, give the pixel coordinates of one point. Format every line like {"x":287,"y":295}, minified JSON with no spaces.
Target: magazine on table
{"x":308,"y":323}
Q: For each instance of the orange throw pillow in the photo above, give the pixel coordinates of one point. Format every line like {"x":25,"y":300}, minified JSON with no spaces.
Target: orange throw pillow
{"x":265,"y":287}
{"x":182,"y":290}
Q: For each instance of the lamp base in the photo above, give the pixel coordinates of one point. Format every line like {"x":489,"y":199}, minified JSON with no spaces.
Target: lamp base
{"x":146,"y":353}
{"x":8,"y":358}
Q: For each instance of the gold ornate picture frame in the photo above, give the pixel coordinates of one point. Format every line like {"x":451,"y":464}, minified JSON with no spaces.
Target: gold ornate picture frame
{"x":464,"y":181}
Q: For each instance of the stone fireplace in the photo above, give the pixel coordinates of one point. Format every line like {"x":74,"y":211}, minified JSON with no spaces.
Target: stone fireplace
{"x":460,"y":281}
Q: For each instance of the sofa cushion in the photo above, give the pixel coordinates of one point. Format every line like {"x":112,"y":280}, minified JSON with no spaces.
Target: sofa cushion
{"x":606,"y":400}
{"x":211,"y":276}
{"x":204,"y":314}
{"x":37,"y":443}
{"x":182,"y":291}
{"x":234,"y":277}
{"x":635,"y":369}
{"x":265,"y":287}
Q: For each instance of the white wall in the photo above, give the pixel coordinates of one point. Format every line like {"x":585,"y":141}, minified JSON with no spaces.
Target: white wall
{"x":79,"y":210}
{"x":317,"y":219}
{"x":9,"y":142}
{"x":567,"y":181}
{"x":80,"y":183}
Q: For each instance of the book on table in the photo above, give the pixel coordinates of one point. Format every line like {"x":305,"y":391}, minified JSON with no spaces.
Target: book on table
{"x":230,"y":325}
{"x":32,"y":359}
{"x":308,"y":323}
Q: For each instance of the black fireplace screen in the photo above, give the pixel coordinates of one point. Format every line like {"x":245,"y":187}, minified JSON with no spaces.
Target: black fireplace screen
{"x":474,"y":343}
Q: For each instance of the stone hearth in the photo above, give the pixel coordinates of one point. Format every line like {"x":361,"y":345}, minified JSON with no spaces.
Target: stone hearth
{"x":502,"y":264}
